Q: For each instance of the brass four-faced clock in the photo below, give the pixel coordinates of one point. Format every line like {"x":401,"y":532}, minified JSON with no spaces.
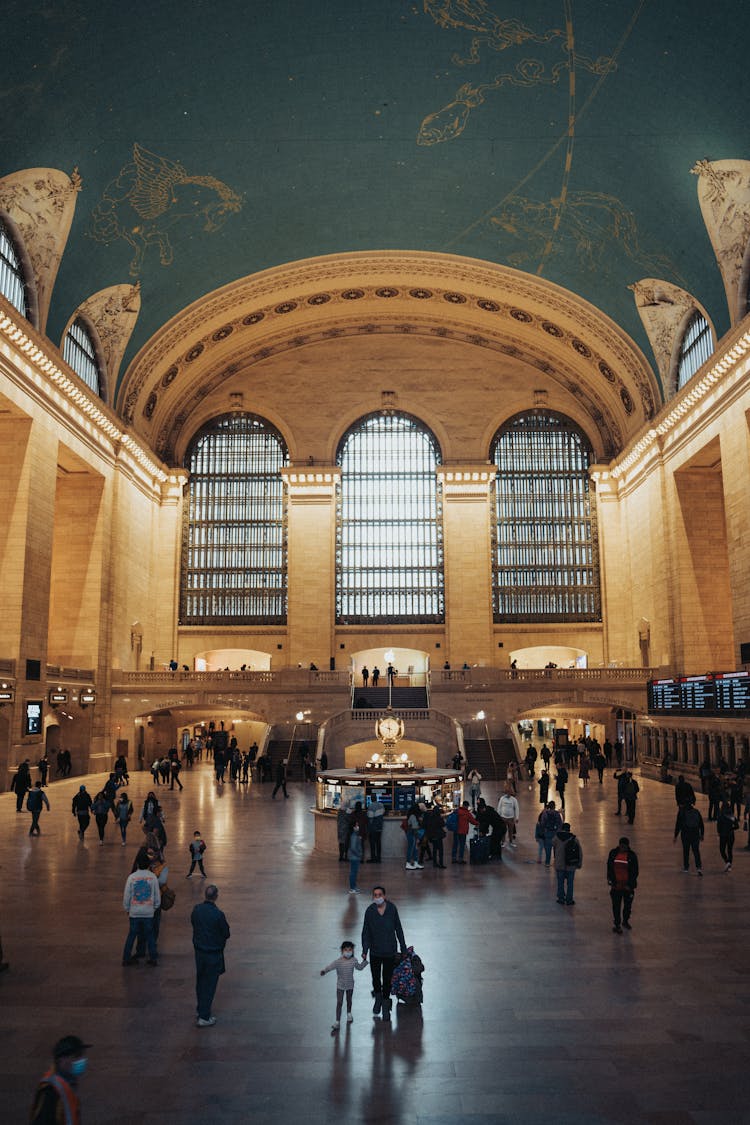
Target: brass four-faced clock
{"x":389,"y":729}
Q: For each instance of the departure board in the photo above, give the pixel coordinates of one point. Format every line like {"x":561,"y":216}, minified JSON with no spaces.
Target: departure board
{"x":664,"y":696}
{"x":732,"y":693}
{"x":717,"y":694}
{"x":697,"y":694}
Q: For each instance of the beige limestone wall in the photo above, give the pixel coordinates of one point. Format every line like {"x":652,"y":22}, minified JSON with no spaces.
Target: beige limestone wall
{"x":75,"y":608}
{"x":735,"y":453}
{"x":648,"y":595}
{"x":704,"y":637}
{"x":138,"y":553}
{"x":311,"y":517}
{"x":15,"y":434}
{"x":467,"y":562}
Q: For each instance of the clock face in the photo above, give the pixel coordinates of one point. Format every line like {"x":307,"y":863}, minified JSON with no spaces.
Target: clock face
{"x":389,"y":728}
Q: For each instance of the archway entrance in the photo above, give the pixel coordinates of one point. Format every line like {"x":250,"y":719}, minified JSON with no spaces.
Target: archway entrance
{"x":549,"y":656}
{"x":158,"y":731}
{"x":235,"y":659}
{"x":412,"y":665}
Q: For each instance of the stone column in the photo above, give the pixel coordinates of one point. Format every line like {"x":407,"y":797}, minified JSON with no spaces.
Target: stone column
{"x":311,"y":576}
{"x":467,"y":515}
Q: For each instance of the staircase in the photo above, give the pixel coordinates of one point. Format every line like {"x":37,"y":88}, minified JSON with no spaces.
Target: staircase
{"x":402,"y":698}
{"x":478,"y":756}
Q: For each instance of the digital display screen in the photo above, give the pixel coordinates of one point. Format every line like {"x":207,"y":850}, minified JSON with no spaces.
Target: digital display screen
{"x":732,"y":692}
{"x":33,"y":717}
{"x":722,"y":693}
{"x":697,"y":693}
{"x":405,"y":795}
{"x":664,"y":695}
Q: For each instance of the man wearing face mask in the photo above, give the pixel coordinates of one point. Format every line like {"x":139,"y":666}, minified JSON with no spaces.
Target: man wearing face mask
{"x":381,"y":930}
{"x":56,"y":1101}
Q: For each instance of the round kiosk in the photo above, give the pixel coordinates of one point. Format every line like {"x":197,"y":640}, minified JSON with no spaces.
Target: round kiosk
{"x":388,"y":777}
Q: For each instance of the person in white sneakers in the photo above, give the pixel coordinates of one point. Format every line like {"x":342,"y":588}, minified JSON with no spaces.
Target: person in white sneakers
{"x":508,"y":811}
{"x":413,"y":829}
{"x":344,"y":966}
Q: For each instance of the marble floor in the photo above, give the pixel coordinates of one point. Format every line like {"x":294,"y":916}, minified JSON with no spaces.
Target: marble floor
{"x":533,"y":1012}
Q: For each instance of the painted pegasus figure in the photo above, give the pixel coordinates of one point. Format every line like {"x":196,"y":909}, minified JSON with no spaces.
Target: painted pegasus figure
{"x":150,"y":197}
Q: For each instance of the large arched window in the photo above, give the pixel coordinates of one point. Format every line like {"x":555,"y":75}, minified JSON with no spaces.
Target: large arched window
{"x":389,"y":547}
{"x":12,"y":277}
{"x":696,"y":347}
{"x":234,"y":546}
{"x":545,"y":558}
{"x":80,"y":352}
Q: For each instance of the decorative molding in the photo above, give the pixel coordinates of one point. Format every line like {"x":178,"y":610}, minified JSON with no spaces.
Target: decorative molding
{"x":113,"y":313}
{"x":41,"y":202}
{"x":717,"y":368}
{"x":664,"y":309}
{"x":77,"y":395}
{"x":724,"y":198}
{"x":327,"y":298}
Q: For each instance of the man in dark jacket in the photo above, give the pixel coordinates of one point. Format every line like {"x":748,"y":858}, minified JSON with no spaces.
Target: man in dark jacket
{"x":684,"y":794}
{"x":210,"y":935}
{"x":622,"y":877}
{"x":81,"y":806}
{"x":690,"y":828}
{"x":381,"y":930}
{"x":280,"y":778}
{"x":21,"y":784}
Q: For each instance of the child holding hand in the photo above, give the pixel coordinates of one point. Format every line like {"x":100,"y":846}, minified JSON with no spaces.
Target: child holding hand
{"x":344,"y":966}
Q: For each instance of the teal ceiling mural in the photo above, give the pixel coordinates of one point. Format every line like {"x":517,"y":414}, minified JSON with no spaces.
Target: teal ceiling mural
{"x":556,"y":136}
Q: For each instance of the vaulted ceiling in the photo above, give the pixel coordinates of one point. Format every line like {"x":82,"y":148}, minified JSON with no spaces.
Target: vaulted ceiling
{"x":215,"y":141}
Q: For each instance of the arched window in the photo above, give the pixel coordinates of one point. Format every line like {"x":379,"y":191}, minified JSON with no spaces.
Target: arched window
{"x":389,"y":546}
{"x":12,"y":277}
{"x":545,"y":558}
{"x":697,"y":345}
{"x":80,"y":353}
{"x":234,"y":545}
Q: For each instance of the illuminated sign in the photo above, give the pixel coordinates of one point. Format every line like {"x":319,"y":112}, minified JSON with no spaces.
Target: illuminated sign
{"x":32,"y":722}
{"x":86,"y":697}
{"x":717,"y":694}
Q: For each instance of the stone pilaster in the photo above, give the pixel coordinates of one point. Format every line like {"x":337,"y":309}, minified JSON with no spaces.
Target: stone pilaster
{"x":467,"y":547}
{"x":311,"y":578}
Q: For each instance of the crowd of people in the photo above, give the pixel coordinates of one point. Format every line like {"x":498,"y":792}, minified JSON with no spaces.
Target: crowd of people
{"x":426,"y":826}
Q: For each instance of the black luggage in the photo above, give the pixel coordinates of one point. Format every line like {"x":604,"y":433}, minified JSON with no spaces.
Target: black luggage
{"x":479,"y":850}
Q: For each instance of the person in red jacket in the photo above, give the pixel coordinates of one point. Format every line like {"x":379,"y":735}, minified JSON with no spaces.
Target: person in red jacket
{"x":465,"y":817}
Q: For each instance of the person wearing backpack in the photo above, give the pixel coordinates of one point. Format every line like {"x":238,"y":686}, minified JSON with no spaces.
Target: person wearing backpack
{"x":622,"y":878}
{"x":690,"y":828}
{"x":630,"y":793}
{"x":551,"y":822}
{"x":568,"y":860}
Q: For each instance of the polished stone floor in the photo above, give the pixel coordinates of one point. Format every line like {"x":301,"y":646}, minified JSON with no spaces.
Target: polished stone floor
{"x":533,"y":1012}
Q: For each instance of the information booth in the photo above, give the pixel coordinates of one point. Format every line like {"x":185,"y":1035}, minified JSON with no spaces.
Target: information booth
{"x":396,"y":788}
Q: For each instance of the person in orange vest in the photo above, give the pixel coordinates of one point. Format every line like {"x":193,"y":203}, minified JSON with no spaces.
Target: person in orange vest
{"x":56,"y":1101}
